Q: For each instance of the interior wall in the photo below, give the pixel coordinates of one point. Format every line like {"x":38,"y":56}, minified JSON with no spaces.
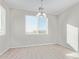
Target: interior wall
{"x":15,"y":30}
{"x":18,"y":36}
{"x":4,"y":39}
{"x":70,"y":16}
{"x":57,"y":28}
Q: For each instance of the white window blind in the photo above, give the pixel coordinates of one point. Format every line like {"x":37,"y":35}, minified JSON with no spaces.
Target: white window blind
{"x":2,"y":20}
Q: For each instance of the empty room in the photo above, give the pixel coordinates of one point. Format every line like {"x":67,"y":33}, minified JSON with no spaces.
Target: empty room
{"x":39,"y":29}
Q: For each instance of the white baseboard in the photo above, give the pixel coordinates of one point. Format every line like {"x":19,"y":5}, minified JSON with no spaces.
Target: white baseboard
{"x":32,"y":45}
{"x":1,"y":53}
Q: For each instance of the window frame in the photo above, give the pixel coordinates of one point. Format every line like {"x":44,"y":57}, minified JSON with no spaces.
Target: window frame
{"x":37,"y":33}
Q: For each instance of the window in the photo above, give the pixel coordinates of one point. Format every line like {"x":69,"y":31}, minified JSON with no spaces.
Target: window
{"x":72,"y":36}
{"x":35,"y":25}
{"x":2,"y":20}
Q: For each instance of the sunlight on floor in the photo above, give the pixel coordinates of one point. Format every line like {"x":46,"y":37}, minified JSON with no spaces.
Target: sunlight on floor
{"x":73,"y":55}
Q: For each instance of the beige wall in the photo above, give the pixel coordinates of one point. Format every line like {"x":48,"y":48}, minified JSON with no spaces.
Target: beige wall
{"x":4,"y":39}
{"x":20,"y":39}
{"x":15,"y":29}
{"x":71,"y":17}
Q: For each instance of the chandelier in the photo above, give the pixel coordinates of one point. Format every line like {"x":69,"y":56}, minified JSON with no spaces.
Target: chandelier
{"x":42,"y":19}
{"x":41,"y":12}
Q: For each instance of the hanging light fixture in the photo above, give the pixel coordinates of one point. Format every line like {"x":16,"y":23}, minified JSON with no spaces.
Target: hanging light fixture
{"x":42,"y":17}
{"x":41,"y":11}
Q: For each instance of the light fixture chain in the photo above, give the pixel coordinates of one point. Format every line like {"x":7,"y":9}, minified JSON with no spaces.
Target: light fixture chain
{"x":41,"y":7}
{"x":41,"y":3}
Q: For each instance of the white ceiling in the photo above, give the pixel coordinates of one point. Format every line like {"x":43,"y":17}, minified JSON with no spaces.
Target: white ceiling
{"x":50,"y":6}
